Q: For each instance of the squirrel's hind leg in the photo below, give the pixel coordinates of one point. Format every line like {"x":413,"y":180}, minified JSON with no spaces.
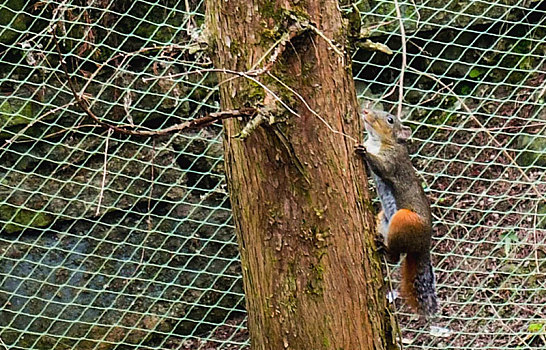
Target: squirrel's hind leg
{"x":382,"y":240}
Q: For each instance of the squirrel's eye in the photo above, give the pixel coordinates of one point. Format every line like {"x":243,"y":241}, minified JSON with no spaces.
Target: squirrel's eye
{"x":390,"y":120}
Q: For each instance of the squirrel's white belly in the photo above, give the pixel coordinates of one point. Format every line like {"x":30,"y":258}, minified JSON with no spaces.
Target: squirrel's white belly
{"x":388,"y":203}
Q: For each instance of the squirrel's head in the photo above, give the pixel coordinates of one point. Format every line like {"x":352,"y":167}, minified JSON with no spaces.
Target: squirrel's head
{"x":385,"y":127}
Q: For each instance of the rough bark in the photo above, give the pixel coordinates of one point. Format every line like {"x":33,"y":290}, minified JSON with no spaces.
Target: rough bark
{"x":298,"y":193}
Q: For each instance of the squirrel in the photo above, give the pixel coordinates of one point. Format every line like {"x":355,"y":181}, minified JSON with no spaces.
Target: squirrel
{"x":405,"y":221}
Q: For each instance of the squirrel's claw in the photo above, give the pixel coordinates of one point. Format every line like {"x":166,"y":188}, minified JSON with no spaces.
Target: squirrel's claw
{"x":380,"y":245}
{"x":360,"y":150}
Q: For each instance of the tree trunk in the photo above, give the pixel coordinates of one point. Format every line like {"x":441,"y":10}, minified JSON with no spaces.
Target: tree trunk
{"x":299,"y":194}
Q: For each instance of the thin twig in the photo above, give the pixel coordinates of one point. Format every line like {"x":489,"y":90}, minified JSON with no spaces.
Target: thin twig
{"x":417,"y":12}
{"x":366,"y":32}
{"x":125,"y":56}
{"x":248,"y":75}
{"x":390,"y":92}
{"x":188,"y":11}
{"x":536,"y":240}
{"x":103,"y":182}
{"x":419,"y":47}
{"x":499,"y":317}
{"x":514,"y":127}
{"x":404,"y":59}
{"x":310,"y":109}
{"x":152,"y":176}
{"x":482,"y":128}
{"x":541,"y":93}
{"x":307,"y":24}
{"x":149,"y":210}
{"x":53,"y":134}
{"x":29,"y":125}
{"x":431,"y":98}
{"x":279,"y":46}
{"x":328,"y":41}
{"x":534,"y":311}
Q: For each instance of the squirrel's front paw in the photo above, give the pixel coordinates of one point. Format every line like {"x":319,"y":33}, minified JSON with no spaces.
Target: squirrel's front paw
{"x":360,"y":150}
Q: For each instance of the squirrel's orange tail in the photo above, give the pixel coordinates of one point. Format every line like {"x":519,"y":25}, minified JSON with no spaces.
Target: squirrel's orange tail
{"x":418,"y":285}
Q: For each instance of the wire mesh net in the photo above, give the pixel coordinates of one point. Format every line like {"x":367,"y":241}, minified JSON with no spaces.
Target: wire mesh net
{"x":474,"y":94}
{"x":113,"y":241}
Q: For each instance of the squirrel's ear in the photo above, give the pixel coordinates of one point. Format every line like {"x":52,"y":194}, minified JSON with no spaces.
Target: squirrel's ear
{"x":404,"y":133}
